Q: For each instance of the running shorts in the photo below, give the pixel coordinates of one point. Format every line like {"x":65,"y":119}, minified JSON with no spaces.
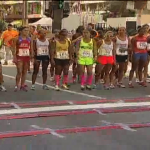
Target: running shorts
{"x":121,"y":59}
{"x":86,"y":61}
{"x":140,"y":56}
{"x":42,"y":58}
{"x":23,"y":58}
{"x":105,"y":60}
{"x":61,"y":62}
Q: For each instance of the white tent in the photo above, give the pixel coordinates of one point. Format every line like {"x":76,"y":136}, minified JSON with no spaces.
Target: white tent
{"x":43,"y":22}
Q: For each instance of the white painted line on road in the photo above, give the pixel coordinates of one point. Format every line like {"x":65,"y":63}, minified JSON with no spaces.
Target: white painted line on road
{"x":71,"y":107}
{"x":68,"y":91}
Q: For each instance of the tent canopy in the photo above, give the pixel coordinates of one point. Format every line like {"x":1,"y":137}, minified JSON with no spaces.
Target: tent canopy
{"x":43,"y":22}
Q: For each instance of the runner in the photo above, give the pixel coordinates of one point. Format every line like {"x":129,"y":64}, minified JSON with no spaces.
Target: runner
{"x":2,"y":88}
{"x":106,"y":58}
{"x":52,"y":68}
{"x":61,"y":55}
{"x":122,"y":45}
{"x":41,"y":48}
{"x":75,"y":39}
{"x":139,"y":56}
{"x":86,"y":51}
{"x":22,"y":53}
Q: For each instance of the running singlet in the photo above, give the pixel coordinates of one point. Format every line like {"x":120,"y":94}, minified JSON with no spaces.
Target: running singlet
{"x":86,"y":49}
{"x":121,"y":47}
{"x":62,"y":50}
{"x":42,"y":48}
{"x":105,"y":49}
{"x":140,"y":44}
{"x":24,"y":47}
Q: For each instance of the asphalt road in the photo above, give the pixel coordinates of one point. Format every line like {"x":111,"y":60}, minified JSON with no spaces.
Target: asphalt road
{"x":117,"y":139}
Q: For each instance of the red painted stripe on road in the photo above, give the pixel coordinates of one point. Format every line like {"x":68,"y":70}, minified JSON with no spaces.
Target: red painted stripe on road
{"x":64,"y":102}
{"x":75,"y":112}
{"x":68,"y":130}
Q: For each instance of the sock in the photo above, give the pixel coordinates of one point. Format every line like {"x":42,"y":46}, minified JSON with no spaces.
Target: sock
{"x":89,"y":79}
{"x":57,"y":79}
{"x":65,"y":79}
{"x":82,"y":80}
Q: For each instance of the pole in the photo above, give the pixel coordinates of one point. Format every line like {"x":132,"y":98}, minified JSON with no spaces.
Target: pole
{"x":57,"y":21}
{"x":25,"y":12}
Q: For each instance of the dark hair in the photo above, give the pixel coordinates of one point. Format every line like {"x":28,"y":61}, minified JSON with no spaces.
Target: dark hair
{"x":145,"y":25}
{"x":22,"y":28}
{"x":63,"y":31}
{"x":100,"y":34}
{"x":10,"y":25}
{"x":80,"y":29}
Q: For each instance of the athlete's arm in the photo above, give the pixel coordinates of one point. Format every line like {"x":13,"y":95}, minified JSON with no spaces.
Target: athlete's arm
{"x":14,"y":46}
{"x":34,"y":48}
{"x":114,"y":49}
{"x":129,"y":45}
{"x":70,"y":51}
{"x":52,"y":50}
{"x":77,"y":49}
{"x":95,"y":50}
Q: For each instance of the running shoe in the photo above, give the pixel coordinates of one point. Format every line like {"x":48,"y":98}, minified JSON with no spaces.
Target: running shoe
{"x":112,"y":86}
{"x":102,"y":81}
{"x":45,"y":87}
{"x":88,"y":87}
{"x":121,"y":85}
{"x":3,"y":89}
{"x":16,"y":89}
{"x":65,"y":86}
{"x":130,"y":85}
{"x":94,"y":86}
{"x":143,"y":84}
{"x":52,"y":79}
{"x":106,"y":87}
{"x":23,"y":88}
{"x":82,"y":87}
{"x":57,"y":88}
{"x":25,"y":85}
{"x":33,"y":87}
{"x":137,"y":80}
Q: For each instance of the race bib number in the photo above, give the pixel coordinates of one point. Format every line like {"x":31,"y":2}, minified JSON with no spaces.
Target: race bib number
{"x":87,"y":54}
{"x":63,"y":55}
{"x":42,"y":51}
{"x":142,"y":45}
{"x":123,"y":48}
{"x":24,"y":52}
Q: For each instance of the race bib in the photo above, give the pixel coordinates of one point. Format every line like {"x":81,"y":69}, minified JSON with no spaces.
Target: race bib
{"x":142,"y":45}
{"x":42,"y":51}
{"x":123,"y":48}
{"x":63,"y":55}
{"x":87,"y":54}
{"x":148,"y":46}
{"x":24,"y":52}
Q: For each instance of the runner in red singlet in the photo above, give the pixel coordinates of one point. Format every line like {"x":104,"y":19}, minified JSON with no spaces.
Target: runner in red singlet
{"x":139,"y":56}
{"x":22,"y":53}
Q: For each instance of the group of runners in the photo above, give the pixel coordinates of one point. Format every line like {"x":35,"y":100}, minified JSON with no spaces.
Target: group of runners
{"x":110,"y":52}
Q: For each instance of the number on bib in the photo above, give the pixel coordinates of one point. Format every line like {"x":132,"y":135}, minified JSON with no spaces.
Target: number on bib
{"x":42,"y":51}
{"x":62,"y":55}
{"x":86,"y":54}
{"x":24,"y":52}
{"x":141,"y":45}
